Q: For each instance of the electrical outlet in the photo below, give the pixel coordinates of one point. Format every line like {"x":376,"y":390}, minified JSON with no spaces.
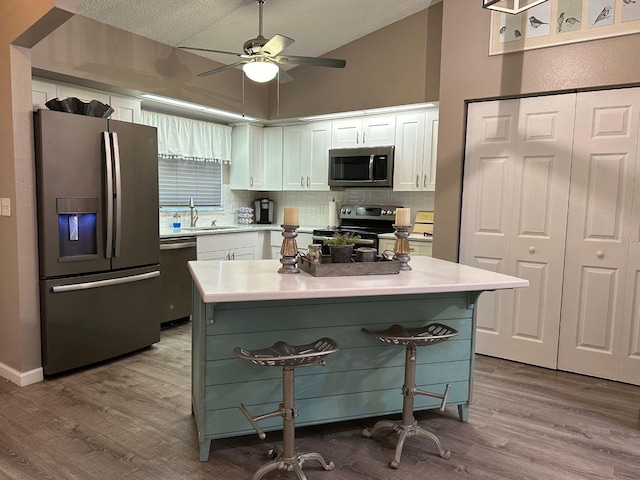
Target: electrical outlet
{"x":6,"y":207}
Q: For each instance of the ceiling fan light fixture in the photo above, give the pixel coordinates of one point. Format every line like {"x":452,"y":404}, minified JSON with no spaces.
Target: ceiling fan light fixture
{"x":260,"y":72}
{"x":511,"y":6}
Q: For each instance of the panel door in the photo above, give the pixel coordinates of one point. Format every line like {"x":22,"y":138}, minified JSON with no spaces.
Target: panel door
{"x":377,"y":131}
{"x":602,"y":178}
{"x":514,"y":220}
{"x":486,"y":208}
{"x":409,"y":151}
{"x":319,"y":135}
{"x":431,"y":152}
{"x":629,"y":365}
{"x":272,"y":158}
{"x":294,"y":170}
{"x":538,"y":228}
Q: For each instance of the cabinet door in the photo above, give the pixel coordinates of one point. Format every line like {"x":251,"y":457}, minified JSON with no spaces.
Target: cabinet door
{"x":41,"y":93}
{"x":420,"y":248}
{"x":319,"y":135}
{"x":125,"y":109}
{"x":272,"y":158}
{"x":378,"y":130}
{"x":294,"y":166}
{"x":215,"y":255}
{"x":346,"y":133}
{"x":409,"y":152}
{"x":429,"y":161}
{"x":247,"y":170}
{"x":602,"y":181}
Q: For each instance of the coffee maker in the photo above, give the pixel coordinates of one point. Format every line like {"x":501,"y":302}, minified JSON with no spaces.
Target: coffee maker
{"x":264,"y":210}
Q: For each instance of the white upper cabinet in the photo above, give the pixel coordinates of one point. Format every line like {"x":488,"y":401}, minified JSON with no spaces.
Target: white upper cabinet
{"x":247,"y":167}
{"x":126,"y":109}
{"x":272,"y":159}
{"x":416,"y":142}
{"x":370,"y":131}
{"x":306,"y":156}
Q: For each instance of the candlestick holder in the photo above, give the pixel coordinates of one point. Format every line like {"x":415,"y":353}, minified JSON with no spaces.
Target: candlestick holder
{"x":289,"y":250}
{"x":401,"y":247}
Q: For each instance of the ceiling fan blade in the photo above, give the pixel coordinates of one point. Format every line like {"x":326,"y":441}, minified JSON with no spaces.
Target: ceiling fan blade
{"x":311,"y":61}
{"x":220,"y":69}
{"x":283,"y":77}
{"x":275,"y":45}
{"x":243,"y":55}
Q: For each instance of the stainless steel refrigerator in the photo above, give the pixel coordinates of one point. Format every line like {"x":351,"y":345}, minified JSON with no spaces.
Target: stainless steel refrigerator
{"x":97,"y":184}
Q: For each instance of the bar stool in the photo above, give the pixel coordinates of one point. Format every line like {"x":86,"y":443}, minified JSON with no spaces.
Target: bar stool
{"x":288,"y":357}
{"x":412,"y":338}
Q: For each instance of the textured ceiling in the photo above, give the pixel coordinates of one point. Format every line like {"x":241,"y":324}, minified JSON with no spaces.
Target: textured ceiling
{"x":317,"y":26}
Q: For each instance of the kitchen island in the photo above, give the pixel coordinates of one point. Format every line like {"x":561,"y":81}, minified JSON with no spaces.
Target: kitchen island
{"x":248,"y":304}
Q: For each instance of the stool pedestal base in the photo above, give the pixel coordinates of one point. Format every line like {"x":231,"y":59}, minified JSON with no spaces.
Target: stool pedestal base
{"x":293,"y":464}
{"x":405,"y":432}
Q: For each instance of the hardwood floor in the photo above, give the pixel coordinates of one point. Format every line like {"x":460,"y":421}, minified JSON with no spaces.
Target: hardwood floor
{"x":131,"y":419}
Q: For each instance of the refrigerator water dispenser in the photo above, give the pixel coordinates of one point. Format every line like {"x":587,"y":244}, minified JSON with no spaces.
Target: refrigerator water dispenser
{"x":77,"y":228}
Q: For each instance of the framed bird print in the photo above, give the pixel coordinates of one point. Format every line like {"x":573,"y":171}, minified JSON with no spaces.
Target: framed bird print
{"x":557,"y":22}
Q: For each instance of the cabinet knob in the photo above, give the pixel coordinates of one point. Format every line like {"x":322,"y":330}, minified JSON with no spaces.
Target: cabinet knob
{"x":308,"y":182}
{"x":424,"y":184}
{"x":251,"y":181}
{"x":599,"y":254}
{"x":417,"y":181}
{"x":301,"y":182}
{"x":532,"y":249}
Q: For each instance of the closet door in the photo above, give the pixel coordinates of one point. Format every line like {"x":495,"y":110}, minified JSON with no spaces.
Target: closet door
{"x":596,"y":273}
{"x":486,"y":209}
{"x":629,"y":365}
{"x":514,"y":220}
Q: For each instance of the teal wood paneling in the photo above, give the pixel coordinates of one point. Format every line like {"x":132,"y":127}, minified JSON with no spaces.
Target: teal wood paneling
{"x":230,"y":422}
{"x":362,"y":379}
{"x":345,"y":360}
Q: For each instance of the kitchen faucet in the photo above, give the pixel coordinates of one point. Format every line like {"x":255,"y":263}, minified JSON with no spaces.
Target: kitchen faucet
{"x":194,"y":212}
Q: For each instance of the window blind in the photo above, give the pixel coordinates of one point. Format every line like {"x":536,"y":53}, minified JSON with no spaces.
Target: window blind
{"x":180,"y":179}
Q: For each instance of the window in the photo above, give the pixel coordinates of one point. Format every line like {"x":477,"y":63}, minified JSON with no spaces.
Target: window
{"x":190,"y":158}
{"x":179,"y":179}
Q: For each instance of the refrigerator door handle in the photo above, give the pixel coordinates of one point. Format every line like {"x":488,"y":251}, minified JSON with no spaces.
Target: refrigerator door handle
{"x":118,"y":217}
{"x":109,"y":199}
{"x":104,"y":283}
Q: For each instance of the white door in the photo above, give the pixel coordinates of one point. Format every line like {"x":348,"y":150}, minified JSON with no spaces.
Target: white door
{"x":431,"y":152}
{"x":378,"y":131}
{"x":319,"y":137}
{"x":538,"y":228}
{"x":602,"y":180}
{"x":629,"y":369}
{"x":514,"y":220}
{"x":272,"y":158}
{"x":294,"y":163}
{"x":409,"y":151}
{"x":486,"y":208}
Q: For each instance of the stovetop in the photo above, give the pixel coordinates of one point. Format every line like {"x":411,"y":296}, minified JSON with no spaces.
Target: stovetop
{"x":365,"y":220}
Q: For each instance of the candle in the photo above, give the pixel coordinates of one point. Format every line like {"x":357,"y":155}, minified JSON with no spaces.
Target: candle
{"x":403,"y":217}
{"x":290,"y":216}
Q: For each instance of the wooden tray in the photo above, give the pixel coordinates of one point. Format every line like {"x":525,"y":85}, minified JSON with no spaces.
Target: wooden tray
{"x":381,"y":266}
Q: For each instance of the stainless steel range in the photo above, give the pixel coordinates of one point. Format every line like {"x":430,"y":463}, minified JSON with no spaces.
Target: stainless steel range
{"x":367,"y":221}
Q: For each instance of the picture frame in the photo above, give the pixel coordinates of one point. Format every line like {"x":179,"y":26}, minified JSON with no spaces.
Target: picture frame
{"x":559,"y":22}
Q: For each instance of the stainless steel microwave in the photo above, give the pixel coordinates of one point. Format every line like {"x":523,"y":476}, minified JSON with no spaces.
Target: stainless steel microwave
{"x":361,"y":167}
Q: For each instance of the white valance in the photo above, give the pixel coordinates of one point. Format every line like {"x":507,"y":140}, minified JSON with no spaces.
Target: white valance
{"x":189,"y":139}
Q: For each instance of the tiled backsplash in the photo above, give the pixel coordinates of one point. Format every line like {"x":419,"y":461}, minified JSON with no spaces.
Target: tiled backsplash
{"x":314,"y":206}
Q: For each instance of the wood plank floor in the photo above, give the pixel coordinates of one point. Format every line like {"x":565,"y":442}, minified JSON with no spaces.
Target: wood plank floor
{"x":131,"y":419}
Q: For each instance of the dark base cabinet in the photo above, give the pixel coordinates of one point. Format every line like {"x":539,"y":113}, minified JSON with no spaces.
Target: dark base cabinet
{"x":175,"y":279}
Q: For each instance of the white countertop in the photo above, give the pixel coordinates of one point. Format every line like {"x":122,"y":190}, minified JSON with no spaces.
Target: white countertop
{"x":254,"y":227}
{"x":255,"y":280}
{"x":418,"y":237}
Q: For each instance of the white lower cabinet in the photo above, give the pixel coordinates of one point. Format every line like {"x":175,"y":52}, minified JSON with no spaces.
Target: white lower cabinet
{"x":229,"y":246}
{"x":552,"y":194}
{"x":303,"y":240}
{"x":416,"y":247}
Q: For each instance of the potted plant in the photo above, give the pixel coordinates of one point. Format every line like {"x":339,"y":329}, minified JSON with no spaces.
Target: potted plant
{"x":341,"y":247}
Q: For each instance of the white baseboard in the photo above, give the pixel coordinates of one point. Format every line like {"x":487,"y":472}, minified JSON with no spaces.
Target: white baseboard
{"x":22,"y":379}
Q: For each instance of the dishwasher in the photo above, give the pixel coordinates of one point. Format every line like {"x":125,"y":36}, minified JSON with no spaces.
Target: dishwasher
{"x":175,"y":279}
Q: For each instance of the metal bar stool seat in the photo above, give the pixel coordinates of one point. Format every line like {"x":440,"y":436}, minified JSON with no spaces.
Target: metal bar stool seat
{"x":281,"y":354}
{"x":412,"y":338}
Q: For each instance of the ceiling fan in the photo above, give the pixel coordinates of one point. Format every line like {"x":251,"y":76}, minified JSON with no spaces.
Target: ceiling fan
{"x":262,"y":57}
